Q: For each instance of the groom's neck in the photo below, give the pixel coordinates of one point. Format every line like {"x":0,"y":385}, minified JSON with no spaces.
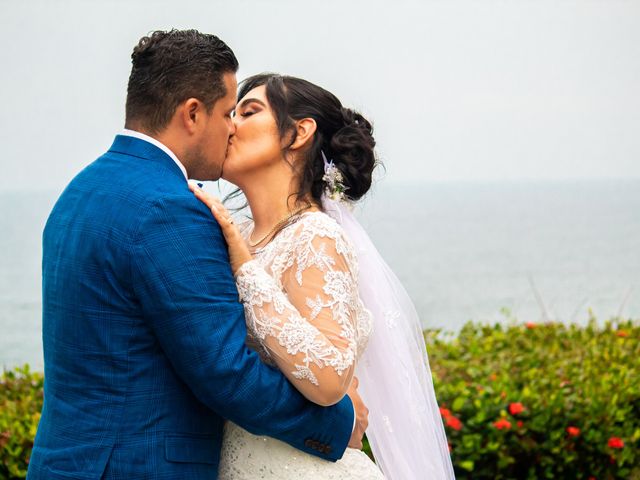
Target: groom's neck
{"x":167,"y":137}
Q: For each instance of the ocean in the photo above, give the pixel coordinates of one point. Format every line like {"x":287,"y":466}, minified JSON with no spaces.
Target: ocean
{"x":488,"y":252}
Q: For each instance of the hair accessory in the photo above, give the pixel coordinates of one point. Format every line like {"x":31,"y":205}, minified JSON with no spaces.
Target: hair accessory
{"x":334,"y":188}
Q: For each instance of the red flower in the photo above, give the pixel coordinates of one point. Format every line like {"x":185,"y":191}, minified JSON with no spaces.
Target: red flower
{"x":454,"y":423}
{"x":502,"y":424}
{"x":573,"y":431}
{"x":515,"y":408}
{"x":531,"y":325}
{"x":493,"y":377}
{"x":444,"y":412}
{"x":622,"y":333}
{"x":616,"y":442}
{"x":4,"y":439}
{"x":519,"y":424}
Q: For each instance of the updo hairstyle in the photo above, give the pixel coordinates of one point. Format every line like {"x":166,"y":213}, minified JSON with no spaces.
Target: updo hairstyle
{"x":345,"y":136}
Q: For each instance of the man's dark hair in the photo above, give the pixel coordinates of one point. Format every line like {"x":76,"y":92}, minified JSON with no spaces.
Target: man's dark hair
{"x":171,"y":67}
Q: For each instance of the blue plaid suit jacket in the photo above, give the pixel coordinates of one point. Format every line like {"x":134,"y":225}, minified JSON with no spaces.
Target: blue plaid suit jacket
{"x":144,"y":335}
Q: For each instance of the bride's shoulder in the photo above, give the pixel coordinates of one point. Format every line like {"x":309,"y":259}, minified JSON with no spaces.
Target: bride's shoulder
{"x":318,"y":227}
{"x":319,"y":222}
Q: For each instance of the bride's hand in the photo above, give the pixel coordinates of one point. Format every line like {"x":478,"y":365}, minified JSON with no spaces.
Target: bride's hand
{"x":238,"y":250}
{"x":362,"y":415}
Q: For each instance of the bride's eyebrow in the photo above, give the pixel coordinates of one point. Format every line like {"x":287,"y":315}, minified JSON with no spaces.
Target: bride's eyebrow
{"x":247,"y":101}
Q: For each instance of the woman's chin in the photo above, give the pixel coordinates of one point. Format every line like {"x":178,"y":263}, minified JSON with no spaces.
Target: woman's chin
{"x":231,"y":180}
{"x":229,"y":174}
{"x":227,"y":167}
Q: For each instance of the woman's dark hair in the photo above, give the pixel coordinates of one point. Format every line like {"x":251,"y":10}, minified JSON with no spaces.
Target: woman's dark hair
{"x":171,"y":67}
{"x":345,"y":136}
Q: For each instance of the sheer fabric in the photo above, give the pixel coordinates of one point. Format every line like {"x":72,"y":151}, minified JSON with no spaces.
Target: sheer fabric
{"x":302,"y":307}
{"x":405,"y":426}
{"x":304,"y":315}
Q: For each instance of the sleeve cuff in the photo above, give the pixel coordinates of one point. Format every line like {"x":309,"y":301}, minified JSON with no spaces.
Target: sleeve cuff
{"x":353,"y":428}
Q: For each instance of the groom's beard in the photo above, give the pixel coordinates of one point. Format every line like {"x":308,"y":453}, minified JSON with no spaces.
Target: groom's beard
{"x":198,"y":168}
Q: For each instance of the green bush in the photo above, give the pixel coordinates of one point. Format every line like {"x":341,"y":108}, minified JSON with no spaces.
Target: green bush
{"x":528,"y":401}
{"x":21,"y":398}
{"x":540,"y":401}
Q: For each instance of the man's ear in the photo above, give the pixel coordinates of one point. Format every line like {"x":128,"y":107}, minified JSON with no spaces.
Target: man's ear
{"x":305,"y":129}
{"x":191,"y":111}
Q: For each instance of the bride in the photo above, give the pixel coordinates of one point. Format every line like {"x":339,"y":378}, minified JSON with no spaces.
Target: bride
{"x":320,"y":303}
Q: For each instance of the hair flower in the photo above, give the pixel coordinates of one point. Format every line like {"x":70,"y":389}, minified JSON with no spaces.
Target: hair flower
{"x":334,"y":188}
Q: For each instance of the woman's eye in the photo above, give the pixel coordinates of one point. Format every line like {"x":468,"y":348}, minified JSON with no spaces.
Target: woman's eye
{"x":247,"y":113}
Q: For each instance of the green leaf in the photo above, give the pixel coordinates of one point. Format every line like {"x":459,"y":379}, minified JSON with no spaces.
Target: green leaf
{"x":458,"y":403}
{"x":467,"y":465}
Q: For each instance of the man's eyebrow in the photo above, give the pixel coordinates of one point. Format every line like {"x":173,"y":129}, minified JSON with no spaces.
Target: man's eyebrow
{"x":250,"y":100}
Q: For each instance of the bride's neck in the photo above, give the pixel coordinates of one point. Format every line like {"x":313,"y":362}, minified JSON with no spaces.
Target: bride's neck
{"x":271,"y":198}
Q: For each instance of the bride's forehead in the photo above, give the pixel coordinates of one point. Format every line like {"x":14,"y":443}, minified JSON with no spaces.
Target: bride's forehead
{"x":259,"y":92}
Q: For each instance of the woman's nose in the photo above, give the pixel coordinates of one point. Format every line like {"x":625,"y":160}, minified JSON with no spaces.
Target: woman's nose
{"x":233,"y":127}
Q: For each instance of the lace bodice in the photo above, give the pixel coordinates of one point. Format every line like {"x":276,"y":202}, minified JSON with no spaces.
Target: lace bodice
{"x":302,"y":307}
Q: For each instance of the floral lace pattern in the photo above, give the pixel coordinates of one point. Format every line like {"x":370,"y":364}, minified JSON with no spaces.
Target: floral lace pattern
{"x":246,"y":456}
{"x":301,"y":303}
{"x":304,"y":315}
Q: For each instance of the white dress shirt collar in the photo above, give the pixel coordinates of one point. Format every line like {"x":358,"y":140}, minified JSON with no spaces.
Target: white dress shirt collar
{"x":160,"y":145}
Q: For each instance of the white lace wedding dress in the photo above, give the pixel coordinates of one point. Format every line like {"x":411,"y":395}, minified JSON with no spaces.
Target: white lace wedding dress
{"x":304,"y":316}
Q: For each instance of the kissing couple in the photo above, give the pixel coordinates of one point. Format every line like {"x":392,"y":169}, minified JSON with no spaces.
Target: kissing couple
{"x":181,"y":344}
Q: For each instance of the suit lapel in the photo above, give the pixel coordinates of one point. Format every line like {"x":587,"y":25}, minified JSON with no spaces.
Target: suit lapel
{"x":136,"y":147}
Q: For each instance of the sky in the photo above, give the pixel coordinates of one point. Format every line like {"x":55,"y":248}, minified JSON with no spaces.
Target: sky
{"x":457,"y":90}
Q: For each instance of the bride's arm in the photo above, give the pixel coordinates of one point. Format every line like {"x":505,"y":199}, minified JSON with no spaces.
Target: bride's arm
{"x":311,"y":331}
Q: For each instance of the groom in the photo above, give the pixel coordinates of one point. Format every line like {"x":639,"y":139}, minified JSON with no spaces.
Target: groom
{"x":144,"y":338}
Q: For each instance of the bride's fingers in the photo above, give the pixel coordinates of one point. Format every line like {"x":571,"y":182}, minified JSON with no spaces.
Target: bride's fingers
{"x":204,"y":197}
{"x":213,"y":203}
{"x":220,"y":213}
{"x":196,"y":190}
{"x":229,"y":229}
{"x":217,"y":206}
{"x":222,"y":217}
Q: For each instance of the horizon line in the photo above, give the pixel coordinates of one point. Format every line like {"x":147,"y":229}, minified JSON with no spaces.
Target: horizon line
{"x":385,"y":181}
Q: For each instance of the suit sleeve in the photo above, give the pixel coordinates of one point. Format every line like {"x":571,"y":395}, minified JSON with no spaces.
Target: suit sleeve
{"x":187,"y":292}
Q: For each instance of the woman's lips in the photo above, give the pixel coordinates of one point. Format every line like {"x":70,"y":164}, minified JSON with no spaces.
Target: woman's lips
{"x":226,"y":153}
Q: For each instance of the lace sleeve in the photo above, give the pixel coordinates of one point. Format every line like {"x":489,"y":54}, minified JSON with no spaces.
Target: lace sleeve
{"x":310,"y":328}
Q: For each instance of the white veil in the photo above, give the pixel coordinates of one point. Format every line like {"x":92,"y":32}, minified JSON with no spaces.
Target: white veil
{"x":405,"y":431}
